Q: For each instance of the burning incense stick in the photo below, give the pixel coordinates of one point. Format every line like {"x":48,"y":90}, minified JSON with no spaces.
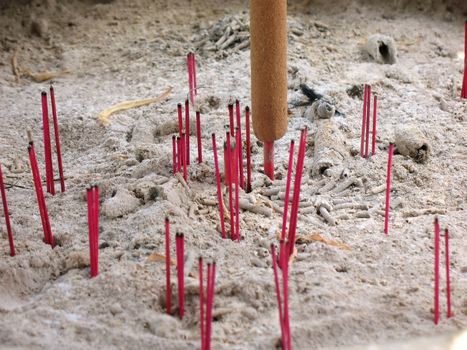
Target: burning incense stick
{"x":362,"y":138}
{"x":174,"y":154}
{"x":248,"y":150}
{"x":180,"y":272}
{"x":49,"y":173}
{"x":436,"y":292}
{"x":57,"y":140}
{"x":48,"y":236}
{"x":168,"y":290}
{"x":228,"y":168}
{"x":448,"y":279}
{"x":231,"y":119}
{"x":287,"y":190}
{"x":218,"y":183}
{"x":187,"y":132}
{"x":240,"y":144}
{"x":464,"y":82}
{"x":388,"y":188}
{"x":180,"y":120}
{"x":198,"y":136}
{"x":7,"y":214}
{"x":373,"y":134}
{"x":367,"y":131}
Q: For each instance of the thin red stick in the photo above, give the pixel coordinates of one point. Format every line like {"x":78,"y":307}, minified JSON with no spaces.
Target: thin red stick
{"x":7,"y":214}
{"x":195,"y":85}
{"x":367,"y":136}
{"x":180,"y":120}
{"x":240,"y":144}
{"x":237,"y":182}
{"x":388,"y":188}
{"x":49,"y":173}
{"x":285,"y":285}
{"x":448,"y":278}
{"x":218,"y":183}
{"x":211,"y":290}
{"x":362,"y":137}
{"x":373,"y":133}
{"x":48,"y":236}
{"x":89,"y":197}
{"x":187,"y":132}
{"x":296,"y":193}
{"x":198,"y":135}
{"x":278,"y":296}
{"x":228,"y":167}
{"x":174,"y":154}
{"x":231,"y":119}
{"x":208,"y":300}
{"x":179,"y":154}
{"x":180,"y":273}
{"x":287,"y":190}
{"x":95,"y":271}
{"x":189,"y":63}
{"x":436,"y":301}
{"x":168,"y":288}
{"x":201,"y":302}
{"x":57,"y":140}
{"x":268,"y":152}
{"x":464,"y":82}
{"x":248,"y":150}
{"x":183,"y":148}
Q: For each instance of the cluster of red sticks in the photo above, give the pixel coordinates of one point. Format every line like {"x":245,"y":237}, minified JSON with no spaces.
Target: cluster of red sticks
{"x":49,"y":173}
{"x":206,"y":305}
{"x":7,"y":214}
{"x":93,"y":223}
{"x":365,"y":136}
{"x":464,"y":82}
{"x":448,"y":280}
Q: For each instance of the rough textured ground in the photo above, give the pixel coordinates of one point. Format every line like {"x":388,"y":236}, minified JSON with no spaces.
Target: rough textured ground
{"x":379,"y":290}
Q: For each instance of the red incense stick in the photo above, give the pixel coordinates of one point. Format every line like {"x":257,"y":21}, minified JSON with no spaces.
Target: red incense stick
{"x":240,"y":144}
{"x":218,"y":183}
{"x":268,"y":152}
{"x":362,"y":137}
{"x":179,"y":154}
{"x":448,"y":279}
{"x":48,"y":236}
{"x":183,"y":149}
{"x":367,"y":131}
{"x":168,"y":289}
{"x":278,"y":295}
{"x":210,"y":303}
{"x":57,"y":139}
{"x":198,"y":135}
{"x":7,"y":215}
{"x":49,"y":173}
{"x":231,"y":119}
{"x":195,"y":85}
{"x":201,"y":302}
{"x":373,"y":134}
{"x":436,"y":292}
{"x":287,"y":190}
{"x":296,"y":194}
{"x":187,"y":132}
{"x":237,"y":183}
{"x":464,"y":82}
{"x":285,"y":285}
{"x":174,"y":154}
{"x":248,"y":150}
{"x":228,"y":168}
{"x":388,"y":188}
{"x":180,"y":272}
{"x":93,"y":223}
{"x":189,"y":63}
{"x":180,"y":119}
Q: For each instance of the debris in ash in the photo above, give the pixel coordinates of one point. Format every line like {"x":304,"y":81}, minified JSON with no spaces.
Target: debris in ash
{"x":382,"y":49}
{"x":355,"y":91}
{"x":321,"y":106}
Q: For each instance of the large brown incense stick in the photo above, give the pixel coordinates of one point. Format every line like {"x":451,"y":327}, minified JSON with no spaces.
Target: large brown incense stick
{"x":268,"y":33}
{"x":7,"y":214}
{"x":49,"y":172}
{"x":57,"y":139}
